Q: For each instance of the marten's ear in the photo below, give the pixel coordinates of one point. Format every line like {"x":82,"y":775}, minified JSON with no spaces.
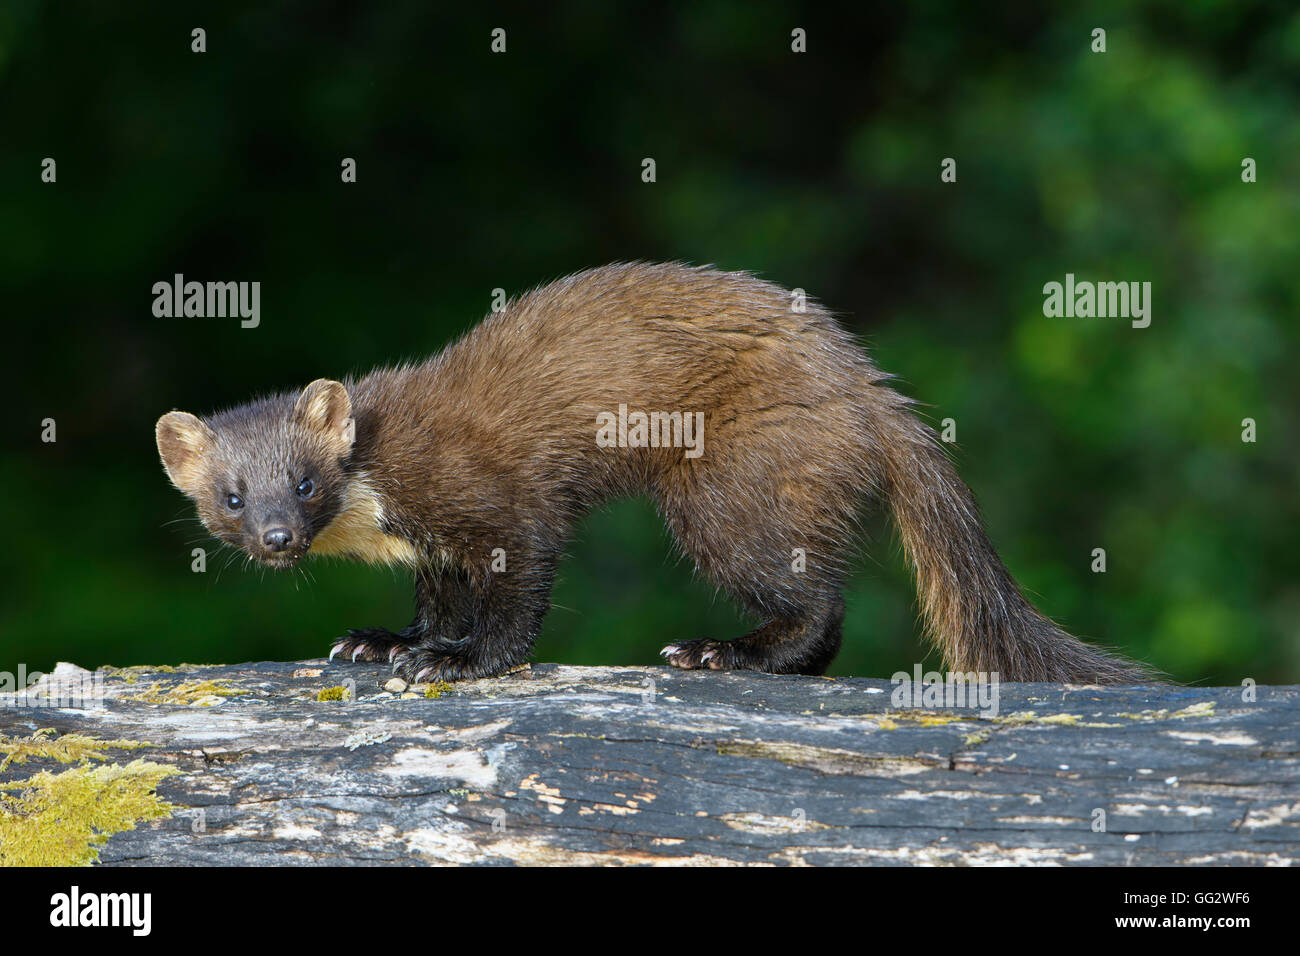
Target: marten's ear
{"x":325,"y":408}
{"x":184,"y":442}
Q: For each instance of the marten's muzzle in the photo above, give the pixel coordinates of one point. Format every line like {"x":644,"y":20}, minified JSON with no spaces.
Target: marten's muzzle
{"x":279,"y":546}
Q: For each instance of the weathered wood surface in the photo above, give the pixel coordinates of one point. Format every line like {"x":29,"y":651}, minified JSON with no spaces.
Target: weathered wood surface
{"x":596,"y":765}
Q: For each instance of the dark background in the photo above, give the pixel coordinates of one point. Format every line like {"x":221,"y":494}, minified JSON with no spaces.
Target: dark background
{"x":818,"y":170}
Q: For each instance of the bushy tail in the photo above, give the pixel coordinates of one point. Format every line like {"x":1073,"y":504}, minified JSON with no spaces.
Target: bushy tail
{"x":974,"y":610}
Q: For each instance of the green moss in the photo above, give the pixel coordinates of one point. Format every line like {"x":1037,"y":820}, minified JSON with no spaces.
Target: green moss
{"x":64,"y":819}
{"x":334,"y":693}
{"x":65,"y":749}
{"x":190,"y":693}
{"x":436,"y":689}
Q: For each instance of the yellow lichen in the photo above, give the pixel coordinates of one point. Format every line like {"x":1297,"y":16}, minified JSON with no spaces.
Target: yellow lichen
{"x":928,"y":718}
{"x":1026,"y":717}
{"x":190,"y":693}
{"x":334,"y":693}
{"x":436,"y":689}
{"x":64,"y":819}
{"x":133,"y":673}
{"x":1203,"y":709}
{"x":65,"y":749}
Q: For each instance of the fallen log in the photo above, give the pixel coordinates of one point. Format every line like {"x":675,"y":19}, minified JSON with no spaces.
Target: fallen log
{"x":316,"y":763}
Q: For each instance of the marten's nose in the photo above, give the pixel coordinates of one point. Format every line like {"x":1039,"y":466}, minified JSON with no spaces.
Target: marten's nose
{"x":277,"y":539}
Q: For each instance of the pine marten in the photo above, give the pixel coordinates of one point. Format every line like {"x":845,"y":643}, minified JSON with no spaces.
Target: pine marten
{"x":472,"y":467}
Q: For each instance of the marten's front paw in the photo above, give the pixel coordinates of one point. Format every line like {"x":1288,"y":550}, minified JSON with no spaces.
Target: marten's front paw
{"x":368,"y":644}
{"x":697,"y":655}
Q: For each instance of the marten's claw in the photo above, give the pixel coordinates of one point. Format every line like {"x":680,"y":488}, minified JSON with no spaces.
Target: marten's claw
{"x":368,"y":645}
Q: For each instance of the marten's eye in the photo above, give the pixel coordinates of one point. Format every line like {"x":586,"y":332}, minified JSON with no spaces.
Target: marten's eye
{"x":234,"y":502}
{"x":305,"y":488}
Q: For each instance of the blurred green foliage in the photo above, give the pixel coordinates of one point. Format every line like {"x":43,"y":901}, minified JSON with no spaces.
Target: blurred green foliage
{"x":818,"y":170}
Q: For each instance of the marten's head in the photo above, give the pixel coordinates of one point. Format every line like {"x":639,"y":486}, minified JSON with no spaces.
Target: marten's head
{"x":268,"y":476}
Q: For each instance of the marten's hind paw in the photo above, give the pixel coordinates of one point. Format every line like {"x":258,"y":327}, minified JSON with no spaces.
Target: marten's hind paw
{"x":701,"y":654}
{"x":372,"y":644}
{"x":418,"y":665}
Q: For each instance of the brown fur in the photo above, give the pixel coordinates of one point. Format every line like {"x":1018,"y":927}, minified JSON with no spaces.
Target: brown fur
{"x":491,"y":444}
